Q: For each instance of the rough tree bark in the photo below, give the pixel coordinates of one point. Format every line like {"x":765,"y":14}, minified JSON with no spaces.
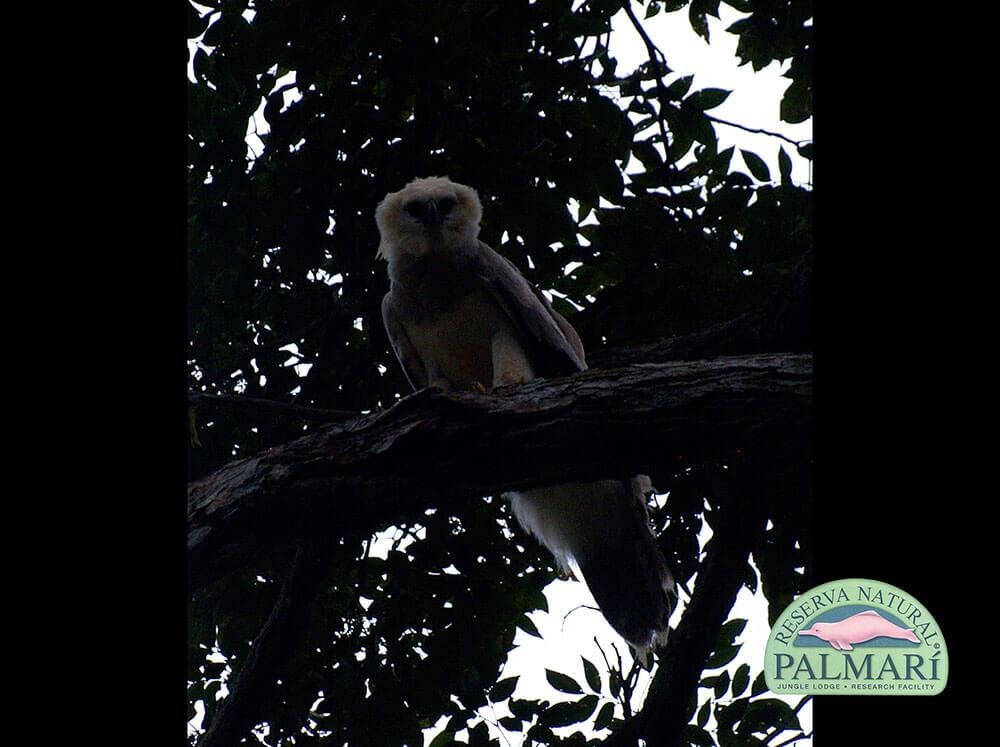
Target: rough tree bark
{"x":433,"y":448}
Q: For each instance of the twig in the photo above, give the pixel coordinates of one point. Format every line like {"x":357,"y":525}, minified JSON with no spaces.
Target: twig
{"x":758,"y":131}
{"x":796,"y":738}
{"x":268,"y":407}
{"x":578,"y":607}
{"x":655,"y":56}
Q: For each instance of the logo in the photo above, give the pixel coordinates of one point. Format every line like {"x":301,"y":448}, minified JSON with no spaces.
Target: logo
{"x":856,"y":637}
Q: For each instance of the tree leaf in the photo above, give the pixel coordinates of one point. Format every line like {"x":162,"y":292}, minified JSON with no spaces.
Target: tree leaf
{"x":766,"y":714}
{"x":784,"y":166}
{"x":592,"y":676}
{"x":443,"y":739}
{"x":511,"y":723}
{"x":503,"y":689}
{"x":525,"y":624}
{"x":721,"y":657}
{"x":604,"y":716}
{"x":707,"y":98}
{"x":571,"y":712}
{"x":695,"y":735}
{"x":740,"y":680}
{"x":678,"y":88}
{"x":756,"y":165}
{"x":562,"y":682}
{"x":704,"y":712}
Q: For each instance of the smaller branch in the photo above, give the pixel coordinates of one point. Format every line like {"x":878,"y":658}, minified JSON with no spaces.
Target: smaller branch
{"x":603,"y":655}
{"x":633,"y":675}
{"x":268,"y":407}
{"x":796,"y":738}
{"x":655,"y":56}
{"x":756,"y":131}
{"x":578,"y":607}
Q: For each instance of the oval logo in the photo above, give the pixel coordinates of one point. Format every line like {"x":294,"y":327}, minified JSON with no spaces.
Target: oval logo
{"x":856,"y":637}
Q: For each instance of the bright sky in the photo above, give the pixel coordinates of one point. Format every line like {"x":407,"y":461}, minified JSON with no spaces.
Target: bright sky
{"x":755,"y":98}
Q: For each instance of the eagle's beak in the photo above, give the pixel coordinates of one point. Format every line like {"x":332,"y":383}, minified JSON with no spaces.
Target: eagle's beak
{"x":432,"y":215}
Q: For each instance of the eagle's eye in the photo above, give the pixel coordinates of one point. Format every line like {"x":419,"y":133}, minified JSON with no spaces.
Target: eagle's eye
{"x":414,"y":208}
{"x":446,"y":205}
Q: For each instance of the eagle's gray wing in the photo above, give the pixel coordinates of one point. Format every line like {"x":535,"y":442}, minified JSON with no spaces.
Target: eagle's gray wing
{"x":409,"y":359}
{"x":553,"y":343}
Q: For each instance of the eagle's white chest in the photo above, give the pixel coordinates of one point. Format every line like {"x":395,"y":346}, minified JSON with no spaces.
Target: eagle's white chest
{"x":465,"y":343}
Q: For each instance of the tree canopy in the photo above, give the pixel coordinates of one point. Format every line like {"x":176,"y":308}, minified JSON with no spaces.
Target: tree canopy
{"x":606,"y":189}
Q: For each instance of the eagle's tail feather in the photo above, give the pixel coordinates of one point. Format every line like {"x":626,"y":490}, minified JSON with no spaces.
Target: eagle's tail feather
{"x":633,"y":586}
{"x":603,"y":528}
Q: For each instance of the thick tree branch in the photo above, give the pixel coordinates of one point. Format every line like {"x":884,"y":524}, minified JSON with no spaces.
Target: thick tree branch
{"x":433,"y":448}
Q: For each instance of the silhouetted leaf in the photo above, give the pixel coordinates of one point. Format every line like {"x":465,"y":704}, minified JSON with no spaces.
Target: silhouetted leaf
{"x":503,"y":689}
{"x":707,"y":98}
{"x":525,"y":624}
{"x":591,"y":674}
{"x":604,"y":716}
{"x":741,"y":679}
{"x":784,"y":166}
{"x":564,"y":714}
{"x":756,"y":165}
{"x":562,"y":682}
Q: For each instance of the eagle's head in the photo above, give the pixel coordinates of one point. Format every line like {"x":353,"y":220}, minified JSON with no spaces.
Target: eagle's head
{"x":429,"y":214}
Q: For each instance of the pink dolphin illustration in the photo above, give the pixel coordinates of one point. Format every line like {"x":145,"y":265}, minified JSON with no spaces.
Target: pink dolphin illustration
{"x":857,"y":629}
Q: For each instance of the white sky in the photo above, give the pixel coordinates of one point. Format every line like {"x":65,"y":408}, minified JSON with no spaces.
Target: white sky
{"x":755,"y":98}
{"x":754,"y":103}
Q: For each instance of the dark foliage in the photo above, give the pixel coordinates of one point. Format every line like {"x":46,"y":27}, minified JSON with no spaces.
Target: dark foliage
{"x":520,"y":100}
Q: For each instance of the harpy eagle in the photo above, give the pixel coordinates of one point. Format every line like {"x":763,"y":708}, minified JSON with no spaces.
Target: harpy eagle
{"x":462,"y":317}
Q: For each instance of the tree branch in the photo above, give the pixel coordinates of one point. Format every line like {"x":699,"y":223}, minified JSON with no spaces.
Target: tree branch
{"x":756,"y":130}
{"x":255,"y":406}
{"x":655,"y":57}
{"x":273,"y":645}
{"x":433,"y":448}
